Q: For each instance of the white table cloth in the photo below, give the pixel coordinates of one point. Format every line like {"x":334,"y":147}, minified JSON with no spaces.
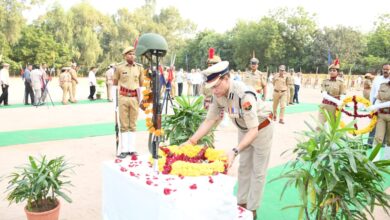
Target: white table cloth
{"x":131,"y":191}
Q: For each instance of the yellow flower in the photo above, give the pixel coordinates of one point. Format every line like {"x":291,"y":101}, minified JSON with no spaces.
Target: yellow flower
{"x":366,"y":103}
{"x":215,"y":161}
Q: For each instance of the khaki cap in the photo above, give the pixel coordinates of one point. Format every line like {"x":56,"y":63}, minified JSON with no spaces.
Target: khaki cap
{"x":128,"y":49}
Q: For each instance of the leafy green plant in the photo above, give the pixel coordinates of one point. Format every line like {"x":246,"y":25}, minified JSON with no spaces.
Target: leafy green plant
{"x":334,"y":176}
{"x":188,"y":115}
{"x":39,"y":182}
{"x":100,"y":87}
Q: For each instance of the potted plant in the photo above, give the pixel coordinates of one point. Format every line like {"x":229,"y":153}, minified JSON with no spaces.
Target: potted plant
{"x":335,"y":175}
{"x":188,"y":115}
{"x":40,"y":182}
{"x":100,"y":88}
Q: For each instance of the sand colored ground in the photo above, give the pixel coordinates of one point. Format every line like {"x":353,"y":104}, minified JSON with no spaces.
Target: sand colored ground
{"x":91,"y":152}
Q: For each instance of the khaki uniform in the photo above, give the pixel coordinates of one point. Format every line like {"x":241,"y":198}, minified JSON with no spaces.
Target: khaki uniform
{"x":73,"y":74}
{"x":208,"y":96}
{"x":334,"y":88}
{"x":290,"y":90}
{"x":367,"y":84}
{"x":280,"y":94}
{"x":66,"y":84}
{"x":130,"y":78}
{"x":257,"y":80}
{"x":383,"y":124}
{"x":109,"y":82}
{"x":246,"y":112}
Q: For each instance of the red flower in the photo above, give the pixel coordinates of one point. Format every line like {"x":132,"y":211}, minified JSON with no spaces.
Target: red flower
{"x":149,"y":182}
{"x":247,"y":106}
{"x":132,"y":174}
{"x":134,"y":157}
{"x":241,"y":209}
{"x":167,"y":191}
{"x":123,"y":169}
{"x":211,"y":179}
{"x":118,"y":160}
{"x":193,"y":186}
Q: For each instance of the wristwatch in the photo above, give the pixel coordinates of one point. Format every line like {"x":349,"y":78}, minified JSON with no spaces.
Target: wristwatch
{"x":235,"y":150}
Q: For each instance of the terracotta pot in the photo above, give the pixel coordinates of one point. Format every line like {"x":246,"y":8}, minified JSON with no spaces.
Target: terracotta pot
{"x":48,"y":215}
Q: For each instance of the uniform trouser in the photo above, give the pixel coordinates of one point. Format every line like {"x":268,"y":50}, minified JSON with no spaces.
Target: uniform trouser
{"x":65,"y":90}
{"x":189,"y":89}
{"x":253,"y":168}
{"x":128,"y":113}
{"x":180,"y":86}
{"x":4,"y":95}
{"x":37,"y":96}
{"x":74,"y":84}
{"x":173,"y":89}
{"x":330,"y":108}
{"x":28,"y":91}
{"x":109,"y":88}
{"x":296,"y":90}
{"x":291,"y":94}
{"x":279,"y":97}
{"x":382,"y":129}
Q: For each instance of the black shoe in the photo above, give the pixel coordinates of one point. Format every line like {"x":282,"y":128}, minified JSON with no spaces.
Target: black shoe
{"x":133,"y":153}
{"x":123,"y":155}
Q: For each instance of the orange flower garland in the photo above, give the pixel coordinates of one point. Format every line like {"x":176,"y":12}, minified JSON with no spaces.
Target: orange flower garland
{"x":148,"y":107}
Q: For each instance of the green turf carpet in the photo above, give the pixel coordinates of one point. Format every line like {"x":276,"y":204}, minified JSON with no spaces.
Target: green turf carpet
{"x":61,"y":133}
{"x":271,"y":206}
{"x":48,"y":103}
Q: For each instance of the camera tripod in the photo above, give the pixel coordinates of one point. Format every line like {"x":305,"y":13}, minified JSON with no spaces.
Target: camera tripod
{"x":167,"y":97}
{"x":43,"y":92}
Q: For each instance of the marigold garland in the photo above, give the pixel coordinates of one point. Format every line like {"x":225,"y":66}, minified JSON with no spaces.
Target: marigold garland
{"x":148,"y":107}
{"x":366,"y":103}
{"x":191,"y":160}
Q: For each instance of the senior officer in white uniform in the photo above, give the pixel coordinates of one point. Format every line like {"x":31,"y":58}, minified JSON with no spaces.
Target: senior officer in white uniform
{"x":255,"y":131}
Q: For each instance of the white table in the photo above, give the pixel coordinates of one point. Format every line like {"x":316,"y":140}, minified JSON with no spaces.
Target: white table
{"x":130,"y":191}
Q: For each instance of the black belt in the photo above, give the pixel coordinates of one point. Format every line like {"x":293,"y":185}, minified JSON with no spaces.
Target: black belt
{"x":279,"y":90}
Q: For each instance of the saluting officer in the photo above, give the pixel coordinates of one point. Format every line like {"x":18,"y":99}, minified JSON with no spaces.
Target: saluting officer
{"x":256,"y":79}
{"x":280,"y":93}
{"x":333,"y":91}
{"x":128,"y":77}
{"x":255,"y":131}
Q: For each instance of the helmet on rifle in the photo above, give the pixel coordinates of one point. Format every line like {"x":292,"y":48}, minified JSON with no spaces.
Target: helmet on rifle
{"x":151,"y":44}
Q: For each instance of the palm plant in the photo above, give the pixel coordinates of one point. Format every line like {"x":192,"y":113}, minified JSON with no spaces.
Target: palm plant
{"x":188,"y":115}
{"x":334,"y":176}
{"x":39,"y":182}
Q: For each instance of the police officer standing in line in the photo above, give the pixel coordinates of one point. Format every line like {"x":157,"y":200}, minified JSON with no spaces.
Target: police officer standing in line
{"x":382,"y":135}
{"x":255,"y":131}
{"x":367,"y":84}
{"x":128,"y":77}
{"x":109,"y":81}
{"x":256,"y":79}
{"x":333,"y":91}
{"x":290,"y":84}
{"x":65,"y":80}
{"x":75,"y":81}
{"x":280,"y":93}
